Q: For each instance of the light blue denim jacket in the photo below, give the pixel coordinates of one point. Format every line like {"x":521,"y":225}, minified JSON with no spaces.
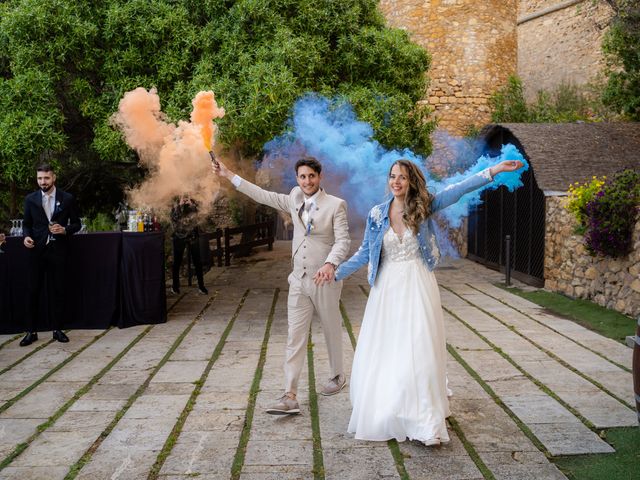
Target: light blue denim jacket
{"x":378,"y":223}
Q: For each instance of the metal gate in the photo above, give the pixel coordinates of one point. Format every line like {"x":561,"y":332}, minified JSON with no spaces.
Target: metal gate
{"x":520,"y":214}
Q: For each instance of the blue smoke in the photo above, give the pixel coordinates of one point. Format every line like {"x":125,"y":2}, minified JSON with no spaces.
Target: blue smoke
{"x":355,"y":166}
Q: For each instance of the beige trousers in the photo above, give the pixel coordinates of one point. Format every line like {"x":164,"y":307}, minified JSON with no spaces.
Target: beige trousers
{"x":305,"y":299}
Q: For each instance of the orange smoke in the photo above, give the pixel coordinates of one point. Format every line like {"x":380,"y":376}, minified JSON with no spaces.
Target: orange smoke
{"x":205,"y":109}
{"x":177,"y":156}
{"x":142,"y":123}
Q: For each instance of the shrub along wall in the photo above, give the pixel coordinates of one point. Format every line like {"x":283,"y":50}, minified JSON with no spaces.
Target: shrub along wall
{"x":569,"y":268}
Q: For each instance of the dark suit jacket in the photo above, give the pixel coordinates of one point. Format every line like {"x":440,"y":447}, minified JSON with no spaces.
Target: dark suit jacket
{"x":36,"y":224}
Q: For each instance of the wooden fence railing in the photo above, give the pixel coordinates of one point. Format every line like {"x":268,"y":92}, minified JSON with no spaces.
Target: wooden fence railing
{"x":261,"y":233}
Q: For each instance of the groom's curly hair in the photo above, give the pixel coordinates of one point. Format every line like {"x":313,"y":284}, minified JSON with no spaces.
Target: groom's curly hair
{"x":417,"y":202}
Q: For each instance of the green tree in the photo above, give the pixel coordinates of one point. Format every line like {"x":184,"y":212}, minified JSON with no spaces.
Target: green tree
{"x":65,"y":64}
{"x":621,"y":47}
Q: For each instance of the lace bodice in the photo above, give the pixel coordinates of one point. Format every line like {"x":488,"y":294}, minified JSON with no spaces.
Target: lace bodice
{"x":397,"y":249}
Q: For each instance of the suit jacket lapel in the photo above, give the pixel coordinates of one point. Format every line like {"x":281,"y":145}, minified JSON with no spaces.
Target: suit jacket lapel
{"x":56,"y":203}
{"x":320,"y":198}
{"x":36,"y":198}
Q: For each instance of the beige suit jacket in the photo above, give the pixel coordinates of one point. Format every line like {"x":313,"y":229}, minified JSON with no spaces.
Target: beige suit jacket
{"x":328,"y":240}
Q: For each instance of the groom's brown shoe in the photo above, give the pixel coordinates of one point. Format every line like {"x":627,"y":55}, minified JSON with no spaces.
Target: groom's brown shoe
{"x":334,"y":385}
{"x":284,"y":406}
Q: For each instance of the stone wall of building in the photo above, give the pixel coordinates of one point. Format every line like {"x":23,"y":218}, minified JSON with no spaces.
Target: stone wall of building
{"x":473,"y":51}
{"x":570,"y":270}
{"x":562,"y":46}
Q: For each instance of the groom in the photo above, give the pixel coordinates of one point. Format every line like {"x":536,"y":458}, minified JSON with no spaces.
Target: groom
{"x":320,"y":243}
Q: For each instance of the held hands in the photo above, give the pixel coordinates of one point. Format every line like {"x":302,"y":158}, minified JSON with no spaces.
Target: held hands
{"x":325,"y":274}
{"x":506,"y":166}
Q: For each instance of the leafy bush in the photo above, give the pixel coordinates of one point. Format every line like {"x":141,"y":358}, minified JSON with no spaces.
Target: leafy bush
{"x":101,"y":223}
{"x":612,"y":215}
{"x":579,"y":197}
{"x":567,"y":103}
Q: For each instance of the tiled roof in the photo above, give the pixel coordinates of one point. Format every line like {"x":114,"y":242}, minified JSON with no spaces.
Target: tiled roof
{"x":564,"y":153}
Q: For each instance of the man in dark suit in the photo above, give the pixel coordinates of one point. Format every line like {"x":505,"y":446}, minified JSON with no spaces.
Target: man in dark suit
{"x":184,"y":219}
{"x":50,"y":218}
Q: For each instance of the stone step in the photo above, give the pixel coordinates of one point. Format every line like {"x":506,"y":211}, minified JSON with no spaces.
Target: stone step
{"x":502,"y":446}
{"x":522,"y":337}
{"x":544,"y":416}
{"x":279,"y":446}
{"x":22,"y":418}
{"x":209,"y":438}
{"x":77,"y":429}
{"x":607,"y":347}
{"x":28,"y":368}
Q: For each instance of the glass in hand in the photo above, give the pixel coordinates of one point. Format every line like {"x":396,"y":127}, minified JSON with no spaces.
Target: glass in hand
{"x":52,"y":238}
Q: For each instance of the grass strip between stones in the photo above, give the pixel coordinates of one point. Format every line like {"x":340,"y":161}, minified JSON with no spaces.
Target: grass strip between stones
{"x":534,"y":380}
{"x":238,"y":459}
{"x":602,"y":320}
{"x":318,"y":459}
{"x":513,"y":292}
{"x":12,"y":339}
{"x":84,"y":459}
{"x":394,"y":448}
{"x":485,"y":386}
{"x":13,"y":400}
{"x":177,"y":428}
{"x":52,"y":419}
{"x":42,"y":379}
{"x":486,"y":473}
{"x":27,"y":355}
{"x":9,"y":367}
{"x":55,"y":369}
{"x":549,"y":353}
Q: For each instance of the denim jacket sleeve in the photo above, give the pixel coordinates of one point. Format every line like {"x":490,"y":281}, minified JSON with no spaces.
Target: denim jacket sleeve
{"x":358,"y":259}
{"x":452,"y":193}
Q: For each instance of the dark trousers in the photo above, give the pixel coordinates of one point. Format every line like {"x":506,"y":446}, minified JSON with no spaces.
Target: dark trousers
{"x":47,"y":268}
{"x":179,"y":244}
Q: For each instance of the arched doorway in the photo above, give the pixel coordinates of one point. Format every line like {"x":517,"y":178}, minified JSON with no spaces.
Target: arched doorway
{"x":520,"y":214}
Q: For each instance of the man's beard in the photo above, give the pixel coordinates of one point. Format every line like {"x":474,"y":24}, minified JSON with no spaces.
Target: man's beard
{"x":46,"y":188}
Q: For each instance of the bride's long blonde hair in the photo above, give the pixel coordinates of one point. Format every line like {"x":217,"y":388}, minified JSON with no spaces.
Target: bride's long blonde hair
{"x":417,"y":201}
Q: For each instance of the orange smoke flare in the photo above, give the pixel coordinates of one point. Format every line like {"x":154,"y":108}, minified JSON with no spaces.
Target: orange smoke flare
{"x":173,"y":153}
{"x":205,"y":109}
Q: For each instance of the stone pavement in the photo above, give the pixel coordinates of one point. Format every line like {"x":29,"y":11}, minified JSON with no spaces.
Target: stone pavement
{"x":186,"y":399}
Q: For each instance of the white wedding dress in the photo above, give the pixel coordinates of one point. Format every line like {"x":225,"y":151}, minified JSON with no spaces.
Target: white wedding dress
{"x":398,"y":379}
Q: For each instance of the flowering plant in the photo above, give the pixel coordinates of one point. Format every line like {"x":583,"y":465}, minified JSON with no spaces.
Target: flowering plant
{"x":579,"y":196}
{"x":612,"y":215}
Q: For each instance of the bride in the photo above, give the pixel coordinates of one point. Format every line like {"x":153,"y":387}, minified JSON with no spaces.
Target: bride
{"x":398,"y":380}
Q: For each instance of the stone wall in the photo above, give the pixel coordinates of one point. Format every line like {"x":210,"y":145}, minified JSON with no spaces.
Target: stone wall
{"x":563,"y":46}
{"x":473,"y":50}
{"x":570,"y":270}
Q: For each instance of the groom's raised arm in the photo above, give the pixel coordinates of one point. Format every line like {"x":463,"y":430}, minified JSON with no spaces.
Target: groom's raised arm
{"x":279,"y":201}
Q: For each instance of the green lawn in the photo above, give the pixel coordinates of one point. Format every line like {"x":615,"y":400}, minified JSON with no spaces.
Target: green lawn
{"x":624,"y":464}
{"x":594,"y":317}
